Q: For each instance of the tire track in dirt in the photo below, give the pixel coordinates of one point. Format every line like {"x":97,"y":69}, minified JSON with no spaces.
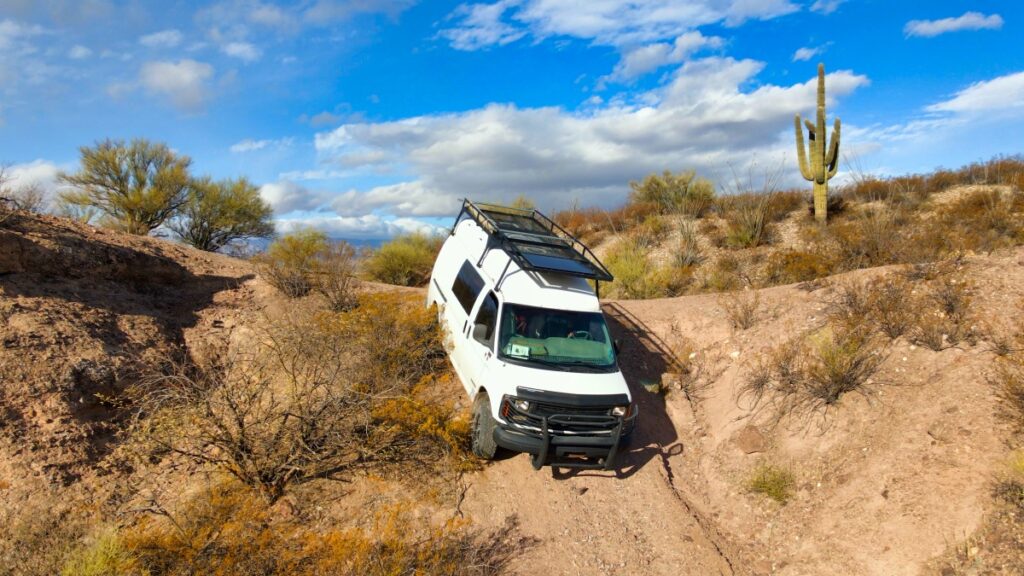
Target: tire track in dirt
{"x":632,"y":520}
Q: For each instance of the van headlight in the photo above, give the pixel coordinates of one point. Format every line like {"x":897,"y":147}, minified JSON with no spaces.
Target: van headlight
{"x":620,"y":410}
{"x":521,"y":405}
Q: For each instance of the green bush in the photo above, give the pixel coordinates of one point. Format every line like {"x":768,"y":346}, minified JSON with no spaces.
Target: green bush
{"x":636,"y":277}
{"x":682,"y":193}
{"x":405,"y":261}
{"x":218,"y":213}
{"x":137,"y":186}
{"x":288,"y":261}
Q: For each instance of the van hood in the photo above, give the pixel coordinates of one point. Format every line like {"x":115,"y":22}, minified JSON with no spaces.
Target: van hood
{"x":584,"y":383}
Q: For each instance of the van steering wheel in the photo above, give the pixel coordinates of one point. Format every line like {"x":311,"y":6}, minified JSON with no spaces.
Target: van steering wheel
{"x":582,"y":334}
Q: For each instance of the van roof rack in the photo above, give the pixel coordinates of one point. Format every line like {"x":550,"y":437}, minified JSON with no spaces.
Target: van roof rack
{"x":534,"y":241}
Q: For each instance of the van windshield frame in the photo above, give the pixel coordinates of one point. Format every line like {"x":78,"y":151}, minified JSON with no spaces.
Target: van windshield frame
{"x":553,"y":339}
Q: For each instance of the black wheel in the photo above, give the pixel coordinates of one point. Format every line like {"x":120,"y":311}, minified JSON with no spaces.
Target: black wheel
{"x":482,"y":428}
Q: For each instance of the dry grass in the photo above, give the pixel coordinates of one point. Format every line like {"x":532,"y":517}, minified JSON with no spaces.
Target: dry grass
{"x":227,"y":529}
{"x":743,"y":310}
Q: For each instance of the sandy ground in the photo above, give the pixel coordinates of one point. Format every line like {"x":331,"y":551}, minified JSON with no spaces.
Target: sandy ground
{"x":891,"y":479}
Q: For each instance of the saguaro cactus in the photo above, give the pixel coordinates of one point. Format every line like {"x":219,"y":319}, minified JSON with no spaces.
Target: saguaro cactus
{"x":824,"y":161}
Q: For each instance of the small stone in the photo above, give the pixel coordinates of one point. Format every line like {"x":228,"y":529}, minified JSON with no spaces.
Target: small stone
{"x":750,"y":440}
{"x":734,"y":354}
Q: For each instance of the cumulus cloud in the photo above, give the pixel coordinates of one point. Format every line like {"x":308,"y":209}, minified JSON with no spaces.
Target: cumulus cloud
{"x":39,"y":173}
{"x":79,"y":52}
{"x":702,"y":119}
{"x":243,"y":51}
{"x":639,"y":61}
{"x":610,"y":22}
{"x":366,"y":227}
{"x":183,"y":82}
{"x":163,"y":39}
{"x":286,"y":196}
{"x":968,"y":21}
{"x":998,"y":94}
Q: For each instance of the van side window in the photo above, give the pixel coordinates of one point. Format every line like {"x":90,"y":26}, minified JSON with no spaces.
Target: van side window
{"x":467,"y":286}
{"x":487,"y":316}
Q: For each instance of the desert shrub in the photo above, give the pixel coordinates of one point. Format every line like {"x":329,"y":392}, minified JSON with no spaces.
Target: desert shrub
{"x":871,"y":238}
{"x":28,"y":198}
{"x":105,"y":555}
{"x":724,"y":276}
{"x":748,"y":217}
{"x":137,"y":186}
{"x":406,"y":260}
{"x":688,"y":252}
{"x":288,"y":261}
{"x":888,"y":303}
{"x":682,"y":193}
{"x":652,"y":231}
{"x":983,"y":220}
{"x":742,"y":310}
{"x":867,"y":189}
{"x":334,"y":275}
{"x":316,"y":399}
{"x":772,"y":481}
{"x":227,"y":529}
{"x":943,"y":319}
{"x":1008,"y":380}
{"x":807,"y":376}
{"x":219,"y":213}
{"x":523,"y":202}
{"x":38,"y":532}
{"x":791,"y":266}
{"x":636,"y":277}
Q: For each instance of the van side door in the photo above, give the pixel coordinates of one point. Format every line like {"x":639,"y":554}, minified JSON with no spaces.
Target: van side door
{"x":466,"y":288}
{"x":478,"y":345}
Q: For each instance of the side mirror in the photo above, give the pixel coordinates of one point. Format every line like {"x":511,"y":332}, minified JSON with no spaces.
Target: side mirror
{"x":480,"y":332}
{"x":616,"y":346}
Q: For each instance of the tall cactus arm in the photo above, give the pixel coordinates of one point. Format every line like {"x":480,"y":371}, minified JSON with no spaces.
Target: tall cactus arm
{"x":801,"y":152}
{"x":832,"y":160}
{"x":811,"y":130}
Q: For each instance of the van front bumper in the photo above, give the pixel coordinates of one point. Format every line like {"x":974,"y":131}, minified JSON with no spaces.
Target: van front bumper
{"x":567,"y":440}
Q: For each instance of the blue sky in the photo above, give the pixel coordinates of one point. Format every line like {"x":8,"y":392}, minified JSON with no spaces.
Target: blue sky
{"x":371,"y":117}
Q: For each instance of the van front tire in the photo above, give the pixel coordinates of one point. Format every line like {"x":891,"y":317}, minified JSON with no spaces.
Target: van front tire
{"x":482,"y":428}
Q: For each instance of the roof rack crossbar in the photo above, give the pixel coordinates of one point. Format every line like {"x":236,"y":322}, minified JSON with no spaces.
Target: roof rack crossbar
{"x":538,"y":231}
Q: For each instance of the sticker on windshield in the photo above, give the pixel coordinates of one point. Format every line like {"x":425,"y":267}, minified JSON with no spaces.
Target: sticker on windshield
{"x":518,"y":351}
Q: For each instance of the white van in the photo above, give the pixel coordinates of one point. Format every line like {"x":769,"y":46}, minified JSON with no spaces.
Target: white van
{"x":528,"y":339}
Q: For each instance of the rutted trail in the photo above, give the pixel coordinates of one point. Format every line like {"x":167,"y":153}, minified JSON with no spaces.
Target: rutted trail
{"x":632,"y":520}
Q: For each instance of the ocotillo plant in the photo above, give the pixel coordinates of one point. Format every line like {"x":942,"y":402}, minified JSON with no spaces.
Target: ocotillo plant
{"x":824,"y":161}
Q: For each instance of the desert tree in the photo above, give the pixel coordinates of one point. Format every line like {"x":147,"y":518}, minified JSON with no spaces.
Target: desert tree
{"x":682,"y":193}
{"x":218,"y":213}
{"x":137,"y":186}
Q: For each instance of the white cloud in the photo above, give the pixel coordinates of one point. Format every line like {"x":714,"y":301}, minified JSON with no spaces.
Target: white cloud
{"x":163,"y":39}
{"x":481,"y":26}
{"x":968,"y":21}
{"x":366,"y":227}
{"x":826,"y":6}
{"x":609,"y":22}
{"x":250,"y":145}
{"x":183,"y":82}
{"x":998,"y":94}
{"x":286,"y":196}
{"x":806,"y":53}
{"x":326,"y":12}
{"x":639,"y":61}
{"x":243,"y":51}
{"x":13,"y":34}
{"x":702,"y":119}
{"x":78,"y":52}
{"x":41,"y":173}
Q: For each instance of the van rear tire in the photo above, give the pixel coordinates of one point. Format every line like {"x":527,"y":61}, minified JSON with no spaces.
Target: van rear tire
{"x":482,"y":428}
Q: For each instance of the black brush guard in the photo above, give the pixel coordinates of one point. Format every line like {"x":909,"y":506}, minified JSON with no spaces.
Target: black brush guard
{"x":560,"y":434}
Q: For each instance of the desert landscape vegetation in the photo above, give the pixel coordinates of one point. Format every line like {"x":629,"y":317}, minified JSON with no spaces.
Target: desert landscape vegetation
{"x":216,"y":357}
{"x":840,"y":397}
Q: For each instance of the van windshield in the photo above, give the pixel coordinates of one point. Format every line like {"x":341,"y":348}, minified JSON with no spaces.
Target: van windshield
{"x":559,"y":338}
